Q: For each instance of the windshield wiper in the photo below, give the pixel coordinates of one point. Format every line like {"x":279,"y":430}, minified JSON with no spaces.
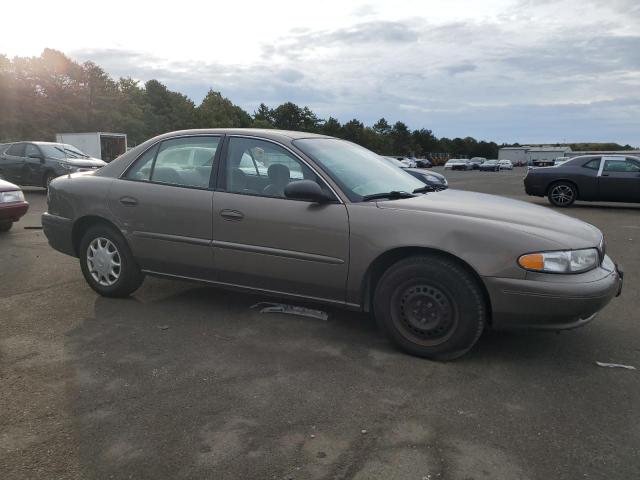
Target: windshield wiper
{"x":393,"y":195}
{"x":425,"y":189}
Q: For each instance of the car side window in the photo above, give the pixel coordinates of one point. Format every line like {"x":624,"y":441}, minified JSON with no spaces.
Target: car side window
{"x":259,"y":167}
{"x":31,"y":149}
{"x":17,"y":150}
{"x":633,"y":165}
{"x":141,"y":169}
{"x":593,"y":164}
{"x":620,"y":166}
{"x":186,"y":162}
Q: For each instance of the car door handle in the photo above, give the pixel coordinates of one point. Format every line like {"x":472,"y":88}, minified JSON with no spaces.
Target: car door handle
{"x":128,"y":201}
{"x":231,"y":214}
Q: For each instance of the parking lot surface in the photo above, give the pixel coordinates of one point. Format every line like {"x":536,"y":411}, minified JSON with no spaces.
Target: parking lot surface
{"x":186,"y":381}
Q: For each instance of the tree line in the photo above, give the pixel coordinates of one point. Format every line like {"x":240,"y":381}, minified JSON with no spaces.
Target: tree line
{"x":49,"y":94}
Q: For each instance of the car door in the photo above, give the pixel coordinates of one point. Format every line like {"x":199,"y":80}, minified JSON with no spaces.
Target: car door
{"x":33,"y":167}
{"x":13,"y":161}
{"x":619,"y":179}
{"x":163,"y":206}
{"x":265,"y":241}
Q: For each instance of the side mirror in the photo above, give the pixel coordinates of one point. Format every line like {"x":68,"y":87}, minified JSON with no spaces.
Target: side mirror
{"x":306,"y":190}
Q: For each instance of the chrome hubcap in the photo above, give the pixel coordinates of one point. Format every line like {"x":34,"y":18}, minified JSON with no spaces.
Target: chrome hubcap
{"x":562,"y":194}
{"x":104,"y":262}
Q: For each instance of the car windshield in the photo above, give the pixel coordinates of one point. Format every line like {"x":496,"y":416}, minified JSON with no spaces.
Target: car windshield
{"x":358,"y":171}
{"x":491,"y":162}
{"x":62,"y":150}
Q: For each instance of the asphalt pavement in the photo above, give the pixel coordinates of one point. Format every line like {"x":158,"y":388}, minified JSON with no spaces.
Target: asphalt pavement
{"x":186,"y":381}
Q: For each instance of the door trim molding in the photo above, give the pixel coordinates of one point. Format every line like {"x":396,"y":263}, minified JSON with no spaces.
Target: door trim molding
{"x":203,"y":242}
{"x":277,"y":252}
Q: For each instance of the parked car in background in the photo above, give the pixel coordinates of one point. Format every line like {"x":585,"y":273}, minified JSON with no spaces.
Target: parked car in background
{"x":12,"y":205}
{"x":354,"y":232}
{"x":433,"y":179}
{"x":505,"y":164}
{"x":542,"y":162}
{"x":490,"y":166}
{"x":458,"y":164}
{"x":37,"y":163}
{"x":560,"y":160}
{"x":607,"y":178}
{"x":423,"y":163}
{"x":476,"y":162}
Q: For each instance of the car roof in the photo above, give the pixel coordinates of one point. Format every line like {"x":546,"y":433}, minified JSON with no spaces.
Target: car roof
{"x":272,"y":134}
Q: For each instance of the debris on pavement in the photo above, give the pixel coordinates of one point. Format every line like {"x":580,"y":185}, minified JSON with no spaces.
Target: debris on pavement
{"x":268,"y":307}
{"x":615,"y":365}
{"x":363,"y":432}
{"x":163,"y":327}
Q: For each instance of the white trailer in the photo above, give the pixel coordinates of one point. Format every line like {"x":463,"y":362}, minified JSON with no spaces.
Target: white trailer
{"x":103,"y":145}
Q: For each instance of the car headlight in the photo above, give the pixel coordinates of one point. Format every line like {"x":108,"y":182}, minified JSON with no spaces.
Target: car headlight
{"x":432,"y":178}
{"x":11,"y":197}
{"x":566,"y":261}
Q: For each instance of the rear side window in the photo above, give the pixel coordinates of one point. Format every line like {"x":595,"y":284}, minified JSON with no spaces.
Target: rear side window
{"x":17,"y":150}
{"x":593,"y":164}
{"x":141,"y":170}
{"x":186,"y":162}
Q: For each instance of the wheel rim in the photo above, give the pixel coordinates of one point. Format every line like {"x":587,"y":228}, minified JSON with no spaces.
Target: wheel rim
{"x":424,"y":313}
{"x":562,"y":194}
{"x":104,"y":261}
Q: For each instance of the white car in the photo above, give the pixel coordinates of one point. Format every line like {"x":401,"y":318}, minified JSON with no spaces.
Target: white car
{"x":505,"y":165}
{"x":458,"y":164}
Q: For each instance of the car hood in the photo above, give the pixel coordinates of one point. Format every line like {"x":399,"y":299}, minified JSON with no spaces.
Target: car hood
{"x":83,"y":162}
{"x":539,"y":221}
{"x":7,"y":186}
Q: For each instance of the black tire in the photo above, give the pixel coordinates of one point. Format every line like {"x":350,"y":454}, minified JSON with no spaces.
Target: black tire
{"x":448,"y":309}
{"x":129,"y":276}
{"x":5,"y":226}
{"x":46,"y":180}
{"x":562,"y":194}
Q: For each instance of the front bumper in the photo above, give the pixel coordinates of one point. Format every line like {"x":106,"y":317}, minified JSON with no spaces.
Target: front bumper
{"x":552,"y":301}
{"x":59,"y":233}
{"x":12,"y":212}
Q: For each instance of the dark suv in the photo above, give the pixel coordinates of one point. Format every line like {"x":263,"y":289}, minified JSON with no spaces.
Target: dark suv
{"x":37,"y":163}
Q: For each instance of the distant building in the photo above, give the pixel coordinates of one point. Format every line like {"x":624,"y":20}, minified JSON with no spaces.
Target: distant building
{"x":530,"y":153}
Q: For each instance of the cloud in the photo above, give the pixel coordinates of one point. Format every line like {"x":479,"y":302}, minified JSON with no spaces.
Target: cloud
{"x":534,"y":71}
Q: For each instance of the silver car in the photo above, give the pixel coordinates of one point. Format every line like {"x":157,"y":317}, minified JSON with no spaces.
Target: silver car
{"x":318,"y":219}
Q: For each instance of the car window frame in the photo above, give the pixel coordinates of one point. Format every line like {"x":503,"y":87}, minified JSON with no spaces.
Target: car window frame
{"x":220,"y":178}
{"x":158,"y":144}
{"x":591,"y":159}
{"x":624,"y":160}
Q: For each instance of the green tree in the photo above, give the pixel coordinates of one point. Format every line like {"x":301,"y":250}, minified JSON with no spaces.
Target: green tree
{"x":216,"y":111}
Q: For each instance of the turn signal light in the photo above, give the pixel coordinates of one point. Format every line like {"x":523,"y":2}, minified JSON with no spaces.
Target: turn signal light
{"x":533,"y":261}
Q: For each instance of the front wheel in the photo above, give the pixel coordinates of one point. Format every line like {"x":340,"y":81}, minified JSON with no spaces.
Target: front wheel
{"x":107,"y":263}
{"x":562,"y":194}
{"x":430,"y":306}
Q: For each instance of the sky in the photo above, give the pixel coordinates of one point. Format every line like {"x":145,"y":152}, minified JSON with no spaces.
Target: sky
{"x":528,"y":71}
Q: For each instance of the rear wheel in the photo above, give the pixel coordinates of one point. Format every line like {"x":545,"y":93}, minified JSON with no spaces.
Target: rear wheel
{"x":430,"y":306}
{"x":107,"y":263}
{"x":5,"y":226}
{"x":562,"y":194}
